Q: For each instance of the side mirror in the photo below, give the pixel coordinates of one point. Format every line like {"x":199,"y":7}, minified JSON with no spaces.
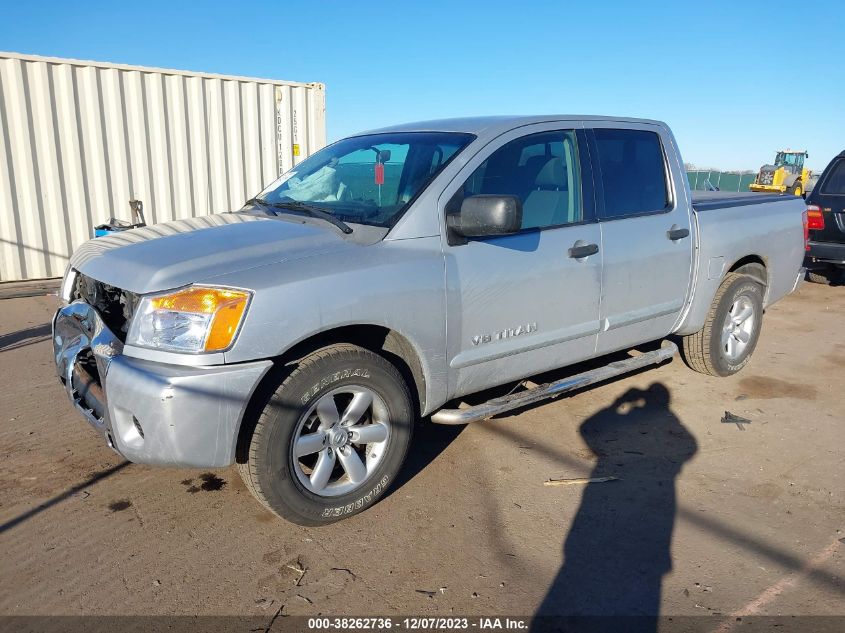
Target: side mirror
{"x":487,"y":215}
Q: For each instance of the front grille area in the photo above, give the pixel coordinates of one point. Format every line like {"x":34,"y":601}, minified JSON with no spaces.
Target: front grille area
{"x":88,"y":384}
{"x":114,"y":305}
{"x":766,"y":177}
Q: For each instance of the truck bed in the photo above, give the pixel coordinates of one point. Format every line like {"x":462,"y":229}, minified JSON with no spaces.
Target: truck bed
{"x":707,"y":200}
{"x":760,"y":227}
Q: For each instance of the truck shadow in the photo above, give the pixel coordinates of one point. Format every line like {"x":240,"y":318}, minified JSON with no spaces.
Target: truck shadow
{"x":49,"y":503}
{"x":619,"y":545}
{"x":27,"y":336}
{"x":432,"y":439}
{"x":429,"y":441}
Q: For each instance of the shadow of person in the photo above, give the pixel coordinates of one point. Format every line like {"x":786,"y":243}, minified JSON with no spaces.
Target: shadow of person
{"x":618,"y":548}
{"x":429,"y":441}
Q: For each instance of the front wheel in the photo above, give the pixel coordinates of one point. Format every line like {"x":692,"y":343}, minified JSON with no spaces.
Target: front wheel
{"x":725,"y":343}
{"x":331,"y":438}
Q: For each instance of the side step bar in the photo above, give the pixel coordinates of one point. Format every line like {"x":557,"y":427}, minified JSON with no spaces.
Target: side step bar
{"x":552,"y":390}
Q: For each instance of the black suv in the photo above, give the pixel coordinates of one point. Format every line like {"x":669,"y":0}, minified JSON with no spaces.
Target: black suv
{"x":825,"y":259}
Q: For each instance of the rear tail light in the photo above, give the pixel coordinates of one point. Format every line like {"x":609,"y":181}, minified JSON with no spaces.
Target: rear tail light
{"x":806,"y":224}
{"x":815,"y":218}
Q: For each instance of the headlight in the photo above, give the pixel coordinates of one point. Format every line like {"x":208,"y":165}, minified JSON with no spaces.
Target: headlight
{"x":195,"y":319}
{"x":66,"y":289}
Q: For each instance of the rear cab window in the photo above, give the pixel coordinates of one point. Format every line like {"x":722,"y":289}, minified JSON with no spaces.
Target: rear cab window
{"x":633,"y":172}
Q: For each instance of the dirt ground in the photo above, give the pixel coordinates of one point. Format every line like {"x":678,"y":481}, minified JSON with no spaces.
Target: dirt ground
{"x":704,"y":518}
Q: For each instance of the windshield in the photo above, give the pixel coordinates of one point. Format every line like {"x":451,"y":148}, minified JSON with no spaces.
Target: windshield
{"x":367,"y":179}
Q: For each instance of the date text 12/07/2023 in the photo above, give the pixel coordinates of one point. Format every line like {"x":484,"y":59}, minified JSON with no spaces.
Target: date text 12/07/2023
{"x":417,"y":623}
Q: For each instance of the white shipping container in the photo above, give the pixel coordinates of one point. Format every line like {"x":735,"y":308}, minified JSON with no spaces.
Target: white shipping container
{"x":79,"y":139}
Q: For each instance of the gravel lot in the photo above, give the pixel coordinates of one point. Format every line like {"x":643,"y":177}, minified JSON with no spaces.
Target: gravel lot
{"x":705,"y":517}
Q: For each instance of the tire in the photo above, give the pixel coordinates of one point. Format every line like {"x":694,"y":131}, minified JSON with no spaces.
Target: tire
{"x":297,"y":488}
{"x":706,"y":351}
{"x":820,"y":276}
{"x":796,"y":190}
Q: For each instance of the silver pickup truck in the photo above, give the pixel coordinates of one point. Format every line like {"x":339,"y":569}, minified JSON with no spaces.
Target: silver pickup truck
{"x":394,"y":272}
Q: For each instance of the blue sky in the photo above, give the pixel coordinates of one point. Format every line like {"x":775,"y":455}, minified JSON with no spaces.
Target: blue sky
{"x":735,"y":80}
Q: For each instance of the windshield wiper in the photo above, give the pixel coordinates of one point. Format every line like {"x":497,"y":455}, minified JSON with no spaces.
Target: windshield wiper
{"x":314,"y":211}
{"x":259,"y":202}
{"x":296,"y":205}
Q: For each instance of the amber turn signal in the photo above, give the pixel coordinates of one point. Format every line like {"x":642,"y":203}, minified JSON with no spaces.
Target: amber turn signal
{"x":225,"y":306}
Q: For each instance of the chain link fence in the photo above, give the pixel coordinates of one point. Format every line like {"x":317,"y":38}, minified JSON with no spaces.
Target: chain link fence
{"x":721,"y":180}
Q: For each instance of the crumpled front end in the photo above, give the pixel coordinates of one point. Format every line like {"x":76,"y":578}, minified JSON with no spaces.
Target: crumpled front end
{"x":149,"y":412}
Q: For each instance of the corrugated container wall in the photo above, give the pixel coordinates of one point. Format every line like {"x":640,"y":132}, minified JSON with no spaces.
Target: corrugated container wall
{"x":80,"y":139}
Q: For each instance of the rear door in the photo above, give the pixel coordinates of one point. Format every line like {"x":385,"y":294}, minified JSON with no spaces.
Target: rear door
{"x":647,"y":240}
{"x":829,"y":195}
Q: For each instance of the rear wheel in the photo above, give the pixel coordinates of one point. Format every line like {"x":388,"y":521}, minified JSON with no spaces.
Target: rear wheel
{"x":725,"y":343}
{"x":796,"y":189}
{"x":331,"y":438}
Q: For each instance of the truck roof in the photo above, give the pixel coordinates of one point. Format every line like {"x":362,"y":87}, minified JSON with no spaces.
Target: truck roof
{"x":495,"y":125}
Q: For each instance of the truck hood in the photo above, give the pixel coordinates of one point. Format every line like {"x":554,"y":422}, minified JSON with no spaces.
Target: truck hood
{"x":174,"y":254}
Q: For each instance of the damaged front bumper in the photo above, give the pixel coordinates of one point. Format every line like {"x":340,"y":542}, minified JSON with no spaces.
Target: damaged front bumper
{"x":149,"y":412}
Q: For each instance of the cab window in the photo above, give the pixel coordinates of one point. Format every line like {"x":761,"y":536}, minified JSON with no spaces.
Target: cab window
{"x":633,"y":172}
{"x":542,"y":170}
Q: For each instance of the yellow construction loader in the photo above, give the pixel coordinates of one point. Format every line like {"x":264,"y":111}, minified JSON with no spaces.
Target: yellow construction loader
{"x":787,"y":174}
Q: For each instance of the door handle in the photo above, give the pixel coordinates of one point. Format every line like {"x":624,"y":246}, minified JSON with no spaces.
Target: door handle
{"x":578,"y":251}
{"x":676,"y":234}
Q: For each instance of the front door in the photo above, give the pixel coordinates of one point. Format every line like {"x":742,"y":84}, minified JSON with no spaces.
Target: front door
{"x":524,"y":303}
